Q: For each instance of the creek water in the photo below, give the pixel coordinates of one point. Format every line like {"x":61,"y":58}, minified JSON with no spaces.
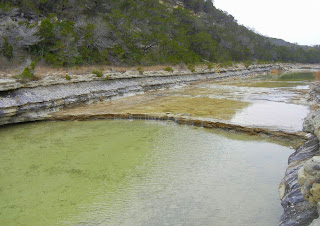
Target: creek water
{"x":149,"y":172}
{"x":137,"y":173}
{"x":271,"y":104}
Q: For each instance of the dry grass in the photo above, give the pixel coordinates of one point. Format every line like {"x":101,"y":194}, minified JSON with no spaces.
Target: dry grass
{"x":314,"y":107}
{"x":43,"y":70}
{"x":275,"y":72}
{"x":10,"y":67}
{"x":317,"y":75}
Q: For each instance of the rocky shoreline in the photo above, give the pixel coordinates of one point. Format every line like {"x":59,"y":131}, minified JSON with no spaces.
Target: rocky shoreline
{"x":297,"y":210}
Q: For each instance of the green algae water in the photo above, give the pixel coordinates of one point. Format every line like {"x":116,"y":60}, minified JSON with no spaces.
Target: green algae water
{"x":137,"y":173}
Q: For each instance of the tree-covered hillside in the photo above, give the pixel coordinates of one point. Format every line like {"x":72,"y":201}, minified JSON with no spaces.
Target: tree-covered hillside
{"x":133,"y":32}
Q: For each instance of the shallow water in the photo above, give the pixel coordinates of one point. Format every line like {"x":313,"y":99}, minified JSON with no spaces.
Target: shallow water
{"x":256,"y":102}
{"x":137,"y":173}
{"x":276,"y":115}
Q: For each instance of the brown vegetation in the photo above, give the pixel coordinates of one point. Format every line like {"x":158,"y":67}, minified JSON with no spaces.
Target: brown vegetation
{"x":275,"y":72}
{"x":317,"y":75}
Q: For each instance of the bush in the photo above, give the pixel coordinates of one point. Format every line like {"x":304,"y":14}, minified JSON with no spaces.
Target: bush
{"x":97,"y":73}
{"x":210,"y":65}
{"x":140,"y":69}
{"x":68,"y":77}
{"x":28,"y":73}
{"x":168,"y":69}
{"x":191,"y":67}
{"x":247,"y":63}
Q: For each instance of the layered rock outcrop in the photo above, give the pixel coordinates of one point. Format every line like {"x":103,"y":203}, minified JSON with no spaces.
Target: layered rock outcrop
{"x":33,"y":101}
{"x":300,"y":188}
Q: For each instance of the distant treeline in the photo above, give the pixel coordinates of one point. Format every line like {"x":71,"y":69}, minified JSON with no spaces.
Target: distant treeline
{"x":134,"y":32}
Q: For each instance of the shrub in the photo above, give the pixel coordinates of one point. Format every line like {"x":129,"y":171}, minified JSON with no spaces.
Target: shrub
{"x":209,"y":65}
{"x":28,"y":73}
{"x":191,"y":67}
{"x":168,"y":69}
{"x":68,"y":77}
{"x":247,"y":63}
{"x":33,"y":65}
{"x":97,"y":73}
{"x":140,"y":69}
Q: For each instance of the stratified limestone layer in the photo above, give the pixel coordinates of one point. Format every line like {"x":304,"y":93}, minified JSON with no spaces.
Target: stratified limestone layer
{"x":34,"y":102}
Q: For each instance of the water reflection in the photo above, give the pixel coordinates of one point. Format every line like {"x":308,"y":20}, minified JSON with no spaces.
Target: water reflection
{"x":276,"y":115}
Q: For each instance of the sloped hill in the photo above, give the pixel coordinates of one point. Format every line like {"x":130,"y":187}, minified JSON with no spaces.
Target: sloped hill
{"x":134,"y":32}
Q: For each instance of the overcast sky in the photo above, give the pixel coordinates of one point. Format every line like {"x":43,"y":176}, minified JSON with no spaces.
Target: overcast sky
{"x":296,"y":21}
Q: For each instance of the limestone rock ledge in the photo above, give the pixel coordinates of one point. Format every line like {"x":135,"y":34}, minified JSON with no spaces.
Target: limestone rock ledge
{"x":35,"y":101}
{"x":300,"y":189}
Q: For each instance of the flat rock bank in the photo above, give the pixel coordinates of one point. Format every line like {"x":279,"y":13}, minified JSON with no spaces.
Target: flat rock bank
{"x":35,"y":100}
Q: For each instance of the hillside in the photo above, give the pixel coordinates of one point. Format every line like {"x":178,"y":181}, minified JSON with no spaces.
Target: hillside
{"x":134,"y":32}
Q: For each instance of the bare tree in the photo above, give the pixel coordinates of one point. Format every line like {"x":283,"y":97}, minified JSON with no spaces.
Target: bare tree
{"x":100,"y":34}
{"x":19,"y":35}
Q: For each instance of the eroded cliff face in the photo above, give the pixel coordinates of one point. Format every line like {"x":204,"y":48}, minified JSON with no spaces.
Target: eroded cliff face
{"x":300,"y":188}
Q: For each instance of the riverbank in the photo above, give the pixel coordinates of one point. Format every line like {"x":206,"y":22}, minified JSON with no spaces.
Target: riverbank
{"x":34,"y":100}
{"x":297,"y":210}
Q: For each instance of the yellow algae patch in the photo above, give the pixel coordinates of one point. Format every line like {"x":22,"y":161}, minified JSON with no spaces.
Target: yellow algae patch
{"x":193,"y":106}
{"x":198,"y":107}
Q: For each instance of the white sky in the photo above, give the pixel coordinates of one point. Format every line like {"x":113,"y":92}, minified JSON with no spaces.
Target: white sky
{"x":296,"y":21}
